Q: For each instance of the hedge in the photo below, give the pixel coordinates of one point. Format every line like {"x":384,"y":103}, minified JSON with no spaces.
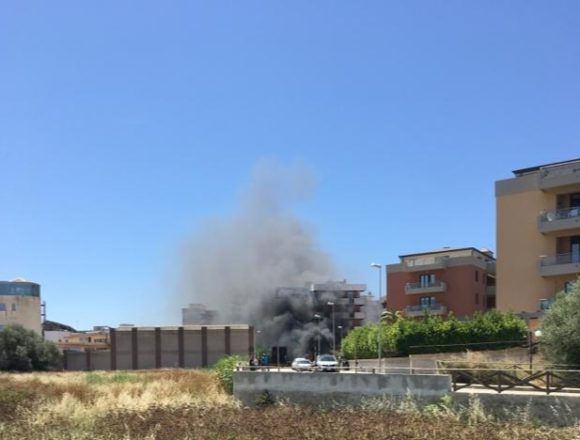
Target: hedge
{"x":408,"y":336}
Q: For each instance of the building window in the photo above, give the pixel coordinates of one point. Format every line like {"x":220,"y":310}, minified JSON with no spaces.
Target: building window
{"x":13,"y":307}
{"x":427,"y":301}
{"x":477,"y":298}
{"x":2,"y":307}
{"x":545,"y":304}
{"x":426,"y":280}
{"x":476,"y":275}
{"x":567,"y":286}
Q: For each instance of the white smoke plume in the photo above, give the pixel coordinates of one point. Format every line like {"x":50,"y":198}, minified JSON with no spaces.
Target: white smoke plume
{"x":235,"y":264}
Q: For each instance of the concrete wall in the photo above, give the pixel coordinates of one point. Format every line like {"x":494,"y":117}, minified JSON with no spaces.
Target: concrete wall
{"x":26,"y":311}
{"x":559,"y":410}
{"x":322,"y":389}
{"x":519,"y":246}
{"x":165,"y":347}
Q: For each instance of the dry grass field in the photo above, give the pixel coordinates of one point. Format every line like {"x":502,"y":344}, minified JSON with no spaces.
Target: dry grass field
{"x":189,"y":404}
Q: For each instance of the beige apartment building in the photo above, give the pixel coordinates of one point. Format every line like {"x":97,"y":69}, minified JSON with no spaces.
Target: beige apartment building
{"x":20,"y":304}
{"x":538,"y":236}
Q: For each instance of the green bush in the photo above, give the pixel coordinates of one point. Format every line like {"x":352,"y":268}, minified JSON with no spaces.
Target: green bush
{"x":224,"y":370}
{"x":406,"y":336}
{"x":25,"y":350}
{"x":561,"y":329}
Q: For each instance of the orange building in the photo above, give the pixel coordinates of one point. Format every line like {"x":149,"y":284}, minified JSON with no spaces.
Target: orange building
{"x":458,"y":280}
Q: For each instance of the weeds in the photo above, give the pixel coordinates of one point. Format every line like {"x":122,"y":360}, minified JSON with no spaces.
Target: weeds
{"x":188,"y":405}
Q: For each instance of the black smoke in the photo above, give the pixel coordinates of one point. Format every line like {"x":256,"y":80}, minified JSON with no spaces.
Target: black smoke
{"x":235,"y":264}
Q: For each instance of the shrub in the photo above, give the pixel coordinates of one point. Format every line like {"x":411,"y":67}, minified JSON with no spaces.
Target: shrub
{"x":24,"y":350}
{"x":224,"y":370}
{"x":406,"y":336}
{"x":561,"y":329}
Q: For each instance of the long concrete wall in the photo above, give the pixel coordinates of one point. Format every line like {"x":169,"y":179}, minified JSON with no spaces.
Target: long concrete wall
{"x":322,"y":389}
{"x":137,"y":348}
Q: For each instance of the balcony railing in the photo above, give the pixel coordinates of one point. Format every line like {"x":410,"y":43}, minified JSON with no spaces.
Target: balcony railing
{"x":426,"y":263}
{"x":420,"y":310}
{"x":545,"y":304}
{"x":435,"y":286}
{"x":560,"y":264}
{"x":559,"y":220}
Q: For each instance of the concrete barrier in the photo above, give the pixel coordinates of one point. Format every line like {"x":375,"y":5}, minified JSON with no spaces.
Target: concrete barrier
{"x":324,"y":389}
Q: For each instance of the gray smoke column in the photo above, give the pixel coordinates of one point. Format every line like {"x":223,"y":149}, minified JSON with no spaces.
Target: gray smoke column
{"x":235,"y":264}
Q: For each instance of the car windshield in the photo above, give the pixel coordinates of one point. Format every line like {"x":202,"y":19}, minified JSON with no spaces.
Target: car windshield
{"x":327,"y":358}
{"x":303,"y":361}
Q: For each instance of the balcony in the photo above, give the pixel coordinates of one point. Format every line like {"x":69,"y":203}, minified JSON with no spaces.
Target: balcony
{"x":561,"y":264}
{"x":490,"y":290}
{"x":559,"y":220}
{"x":431,"y":309}
{"x":552,"y":178}
{"x":545,"y":304}
{"x":434,"y":287}
{"x":426,"y":264}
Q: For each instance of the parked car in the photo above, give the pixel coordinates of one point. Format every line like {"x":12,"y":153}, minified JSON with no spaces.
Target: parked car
{"x":326,"y":362}
{"x":301,"y":364}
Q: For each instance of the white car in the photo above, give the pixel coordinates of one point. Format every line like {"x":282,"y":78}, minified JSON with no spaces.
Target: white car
{"x":326,"y":362}
{"x":301,"y":364}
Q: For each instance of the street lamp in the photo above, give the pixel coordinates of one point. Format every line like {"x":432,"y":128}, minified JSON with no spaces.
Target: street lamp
{"x":379,"y":267}
{"x":330,"y":303}
{"x":257,"y":332}
{"x":340,"y":327}
{"x":317,"y":317}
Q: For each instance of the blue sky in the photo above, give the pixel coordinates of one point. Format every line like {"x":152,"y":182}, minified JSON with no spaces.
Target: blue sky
{"x":123,"y":125}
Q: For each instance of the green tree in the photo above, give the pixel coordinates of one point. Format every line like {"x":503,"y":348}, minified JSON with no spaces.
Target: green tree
{"x":561,"y":328}
{"x":25,"y":350}
{"x":224,"y":371}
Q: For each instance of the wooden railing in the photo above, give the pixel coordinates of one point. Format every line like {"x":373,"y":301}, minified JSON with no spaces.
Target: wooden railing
{"x":501,"y":378}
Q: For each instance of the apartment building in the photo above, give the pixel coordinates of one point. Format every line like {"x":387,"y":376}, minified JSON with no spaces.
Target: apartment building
{"x":538,"y":236}
{"x":198,"y":314}
{"x":441,"y":281}
{"x":348,"y":299}
{"x":345,"y":300}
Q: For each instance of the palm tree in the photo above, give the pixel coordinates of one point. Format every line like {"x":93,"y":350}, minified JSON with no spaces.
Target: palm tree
{"x":390,"y":317}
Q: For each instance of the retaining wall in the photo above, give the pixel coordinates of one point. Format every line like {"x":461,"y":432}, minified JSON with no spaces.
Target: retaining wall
{"x":327,"y":389}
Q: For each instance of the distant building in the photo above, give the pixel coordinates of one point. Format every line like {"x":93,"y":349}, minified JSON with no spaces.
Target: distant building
{"x":198,"y":314}
{"x":84,"y":341}
{"x":538,"y":236}
{"x":441,"y":281}
{"x":20,"y":304}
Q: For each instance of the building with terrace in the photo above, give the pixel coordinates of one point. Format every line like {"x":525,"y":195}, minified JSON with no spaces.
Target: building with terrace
{"x":441,"y":281}
{"x":538,"y":236}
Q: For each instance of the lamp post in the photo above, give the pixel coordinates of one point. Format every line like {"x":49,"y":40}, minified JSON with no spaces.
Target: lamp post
{"x":317,"y":317}
{"x":379,"y":267}
{"x":257,"y":332}
{"x":340,"y":327}
{"x":330,"y":303}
